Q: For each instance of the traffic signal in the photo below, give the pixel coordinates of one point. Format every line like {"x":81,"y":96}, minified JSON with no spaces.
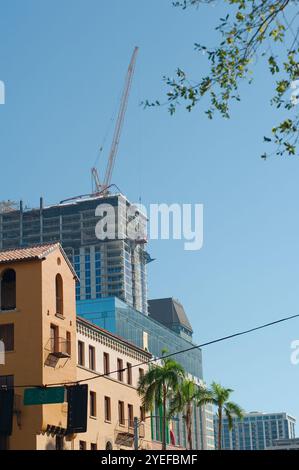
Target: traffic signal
{"x":6,"y":411}
{"x":77,"y":398}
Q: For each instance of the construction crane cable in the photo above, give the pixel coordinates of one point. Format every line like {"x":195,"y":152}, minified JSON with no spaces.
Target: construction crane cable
{"x":107,"y":132}
{"x":120,"y":119}
{"x":103,"y":187}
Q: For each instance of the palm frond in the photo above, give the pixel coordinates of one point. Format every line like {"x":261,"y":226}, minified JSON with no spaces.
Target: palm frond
{"x":159,"y":379}
{"x":229,"y":416}
{"x":234,"y":409}
{"x":221,"y":394}
{"x":150,"y":397}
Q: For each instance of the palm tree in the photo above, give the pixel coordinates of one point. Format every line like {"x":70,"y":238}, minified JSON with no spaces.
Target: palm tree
{"x":157,"y":386}
{"x":219,"y":396}
{"x":188,"y":395}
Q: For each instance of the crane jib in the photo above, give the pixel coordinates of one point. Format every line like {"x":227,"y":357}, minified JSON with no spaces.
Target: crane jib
{"x":103,"y":187}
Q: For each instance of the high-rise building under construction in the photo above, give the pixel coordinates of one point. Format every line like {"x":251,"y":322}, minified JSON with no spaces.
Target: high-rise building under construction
{"x":106,"y":268}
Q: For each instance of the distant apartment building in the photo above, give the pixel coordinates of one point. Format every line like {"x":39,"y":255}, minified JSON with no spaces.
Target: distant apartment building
{"x":46,"y":344}
{"x":106,"y":268}
{"x":256,"y":431}
{"x":166,"y":327}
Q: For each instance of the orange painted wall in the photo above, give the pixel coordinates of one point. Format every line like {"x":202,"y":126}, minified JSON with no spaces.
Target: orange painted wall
{"x":34,"y":313}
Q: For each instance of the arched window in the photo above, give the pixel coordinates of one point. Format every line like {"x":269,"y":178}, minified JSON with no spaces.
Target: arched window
{"x":8,"y":290}
{"x":59,"y":294}
{"x":109,"y":446}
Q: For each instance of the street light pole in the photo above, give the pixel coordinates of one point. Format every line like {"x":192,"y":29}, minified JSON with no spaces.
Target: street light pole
{"x":137,"y":424}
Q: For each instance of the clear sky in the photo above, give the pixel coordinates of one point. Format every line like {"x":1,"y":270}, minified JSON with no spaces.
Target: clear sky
{"x":63,"y":63}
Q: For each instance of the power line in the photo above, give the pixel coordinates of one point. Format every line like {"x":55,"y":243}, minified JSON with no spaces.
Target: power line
{"x":165,"y":356}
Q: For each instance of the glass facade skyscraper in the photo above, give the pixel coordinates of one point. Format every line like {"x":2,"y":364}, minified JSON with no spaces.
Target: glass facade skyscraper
{"x":147,"y":333}
{"x":256,"y":431}
{"x":116,"y":316}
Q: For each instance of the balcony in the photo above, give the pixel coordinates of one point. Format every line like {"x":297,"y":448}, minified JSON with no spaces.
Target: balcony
{"x":60,"y":348}
{"x":125,"y":433}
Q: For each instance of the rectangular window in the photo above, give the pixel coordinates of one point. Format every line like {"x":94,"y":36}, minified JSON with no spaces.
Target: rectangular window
{"x":107,"y":405}
{"x":54,"y":338}
{"x":106,"y":363}
{"x":8,"y":290}
{"x":68,"y":343}
{"x":82,"y":445}
{"x":6,"y":381}
{"x":7,"y":336}
{"x":141,"y":373}
{"x":81,"y":353}
{"x":93,"y":404}
{"x":121,"y":412}
{"x":131,"y":416}
{"x":92,"y":358}
{"x":59,"y":443}
{"x":93,"y":447}
{"x":129,"y":373}
{"x":120,"y":372}
{"x":142,"y":413}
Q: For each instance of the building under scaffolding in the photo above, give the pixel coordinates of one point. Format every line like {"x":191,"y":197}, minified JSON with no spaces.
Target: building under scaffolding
{"x":106,"y":268}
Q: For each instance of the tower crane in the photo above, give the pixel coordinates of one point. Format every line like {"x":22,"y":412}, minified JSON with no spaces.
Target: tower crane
{"x":103,"y":187}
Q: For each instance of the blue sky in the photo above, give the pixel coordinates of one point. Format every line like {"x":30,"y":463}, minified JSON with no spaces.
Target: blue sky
{"x":63,"y":63}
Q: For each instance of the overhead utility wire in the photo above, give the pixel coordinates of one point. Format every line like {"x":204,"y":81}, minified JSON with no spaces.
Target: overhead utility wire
{"x":165,"y":356}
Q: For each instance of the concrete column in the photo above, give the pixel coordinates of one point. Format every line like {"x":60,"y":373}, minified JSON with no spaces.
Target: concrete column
{"x":41,"y":206}
{"x":21,"y":223}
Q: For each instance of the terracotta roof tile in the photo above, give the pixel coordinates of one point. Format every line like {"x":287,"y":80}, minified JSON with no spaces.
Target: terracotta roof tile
{"x":36,"y":252}
{"x":28,"y":253}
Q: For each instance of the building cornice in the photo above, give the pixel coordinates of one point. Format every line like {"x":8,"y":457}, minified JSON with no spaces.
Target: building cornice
{"x":106,"y":338}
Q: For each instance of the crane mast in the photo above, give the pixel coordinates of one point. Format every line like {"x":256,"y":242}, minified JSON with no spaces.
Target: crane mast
{"x":103,"y":187}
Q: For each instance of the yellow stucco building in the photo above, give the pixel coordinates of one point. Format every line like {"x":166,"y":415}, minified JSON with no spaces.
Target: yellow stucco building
{"x":45,"y":344}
